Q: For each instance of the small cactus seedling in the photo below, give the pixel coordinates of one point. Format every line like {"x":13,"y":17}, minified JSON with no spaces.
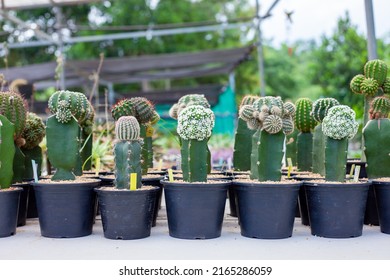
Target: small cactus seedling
{"x":319,"y":110}
{"x":243,"y":139}
{"x":195,"y":124}
{"x":127,"y":152}
{"x":273,"y":119}
{"x":33,"y":133}
{"x":71,"y":111}
{"x":305,"y":123}
{"x":376,"y":135}
{"x":338,"y":126}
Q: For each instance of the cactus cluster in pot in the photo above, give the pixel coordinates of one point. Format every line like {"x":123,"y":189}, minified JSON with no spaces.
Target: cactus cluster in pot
{"x":243,"y":139}
{"x":305,"y":123}
{"x":375,"y":85}
{"x":143,"y":110}
{"x":13,"y":109}
{"x":127,"y":152}
{"x":195,"y":124}
{"x":319,"y":110}
{"x":273,"y":119}
{"x":72,"y":114}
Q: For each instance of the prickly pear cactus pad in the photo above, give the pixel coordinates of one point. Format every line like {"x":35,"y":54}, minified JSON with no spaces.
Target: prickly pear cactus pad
{"x":34,"y":131}
{"x":340,"y":123}
{"x":195,"y":122}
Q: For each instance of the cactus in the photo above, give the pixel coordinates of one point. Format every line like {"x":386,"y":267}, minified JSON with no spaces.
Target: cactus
{"x":377,"y":70}
{"x":369,"y":86}
{"x":195,"y":124}
{"x":127,"y":152}
{"x":188,"y":100}
{"x":14,"y":108}
{"x":386,"y":86}
{"x":319,"y":111}
{"x":273,"y":119}
{"x":376,"y":135}
{"x":243,"y":139}
{"x":71,"y":112}
{"x":143,"y":110}
{"x":305,"y":123}
{"x":33,"y":133}
{"x":7,"y":151}
{"x":338,"y":126}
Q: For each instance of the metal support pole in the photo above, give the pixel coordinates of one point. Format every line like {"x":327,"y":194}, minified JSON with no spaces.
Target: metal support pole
{"x":232,"y":81}
{"x":371,"y":38}
{"x":260,"y":53}
{"x":60,"y":45}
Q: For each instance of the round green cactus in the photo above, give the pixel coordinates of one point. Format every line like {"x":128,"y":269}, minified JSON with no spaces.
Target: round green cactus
{"x":355,"y":84}
{"x":379,"y":108}
{"x":289,"y":109}
{"x":188,"y":100}
{"x":66,"y":105}
{"x":273,"y":124}
{"x":124,"y":107}
{"x":138,"y":107}
{"x":376,"y":69}
{"x":248,"y":100}
{"x":340,"y":123}
{"x":321,"y":107}
{"x":246,"y":112}
{"x":127,"y":128}
{"x":369,"y":86}
{"x":195,"y":122}
{"x":304,"y":121}
{"x":14,"y":108}
{"x":386,"y":86}
{"x":34,"y":131}
{"x":288,"y":126}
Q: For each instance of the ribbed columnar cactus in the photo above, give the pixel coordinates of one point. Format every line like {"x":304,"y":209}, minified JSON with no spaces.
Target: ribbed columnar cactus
{"x":7,"y":152}
{"x":243,"y":139}
{"x":273,"y":119}
{"x":319,"y":111}
{"x":188,"y":100}
{"x":143,"y":110}
{"x":14,"y":108}
{"x":338,"y":126}
{"x":33,"y":133}
{"x":127,"y":152}
{"x":71,"y":111}
{"x":305,"y":123}
{"x":376,"y":135}
{"x":195,"y":124}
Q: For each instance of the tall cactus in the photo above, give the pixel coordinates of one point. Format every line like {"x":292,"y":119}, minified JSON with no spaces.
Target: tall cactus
{"x":305,"y":123}
{"x":195,"y":124}
{"x":319,"y":110}
{"x":376,"y":135}
{"x":243,"y":139}
{"x":273,"y":119}
{"x":71,"y":111}
{"x":33,"y":133}
{"x":143,"y":110}
{"x":339,"y":125}
{"x":7,"y":151}
{"x":127,"y":152}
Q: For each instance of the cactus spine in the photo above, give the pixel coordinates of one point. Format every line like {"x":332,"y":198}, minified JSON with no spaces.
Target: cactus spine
{"x":319,"y":110}
{"x":143,"y":110}
{"x":273,"y":119}
{"x":7,"y":151}
{"x":376,"y":135}
{"x":195,"y":124}
{"x":305,"y":123}
{"x":243,"y":140}
{"x":127,"y":152}
{"x":339,"y":125}
{"x":71,"y":113}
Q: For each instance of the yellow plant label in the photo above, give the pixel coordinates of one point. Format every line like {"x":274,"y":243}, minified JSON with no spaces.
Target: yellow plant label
{"x":97,"y":167}
{"x":149,"y":131}
{"x":289,"y":168}
{"x":160,"y":163}
{"x":133,"y":181}
{"x":170,"y":175}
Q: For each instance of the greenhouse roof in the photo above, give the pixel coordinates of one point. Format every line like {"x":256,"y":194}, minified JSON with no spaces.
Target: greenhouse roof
{"x":28,"y":4}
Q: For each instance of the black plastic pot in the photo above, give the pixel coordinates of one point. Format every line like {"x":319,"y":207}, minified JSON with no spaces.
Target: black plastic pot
{"x":23,"y":203}
{"x":32,"y":211}
{"x":266,"y":211}
{"x":127,"y":214}
{"x":156,"y":182}
{"x":9,"y":207}
{"x":371,"y":216}
{"x":336,"y":210}
{"x":66,"y":210}
{"x":382,"y":195}
{"x":195,"y":210}
{"x":232,"y":201}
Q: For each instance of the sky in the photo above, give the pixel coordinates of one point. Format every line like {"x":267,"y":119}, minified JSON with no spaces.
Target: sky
{"x":312,"y":18}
